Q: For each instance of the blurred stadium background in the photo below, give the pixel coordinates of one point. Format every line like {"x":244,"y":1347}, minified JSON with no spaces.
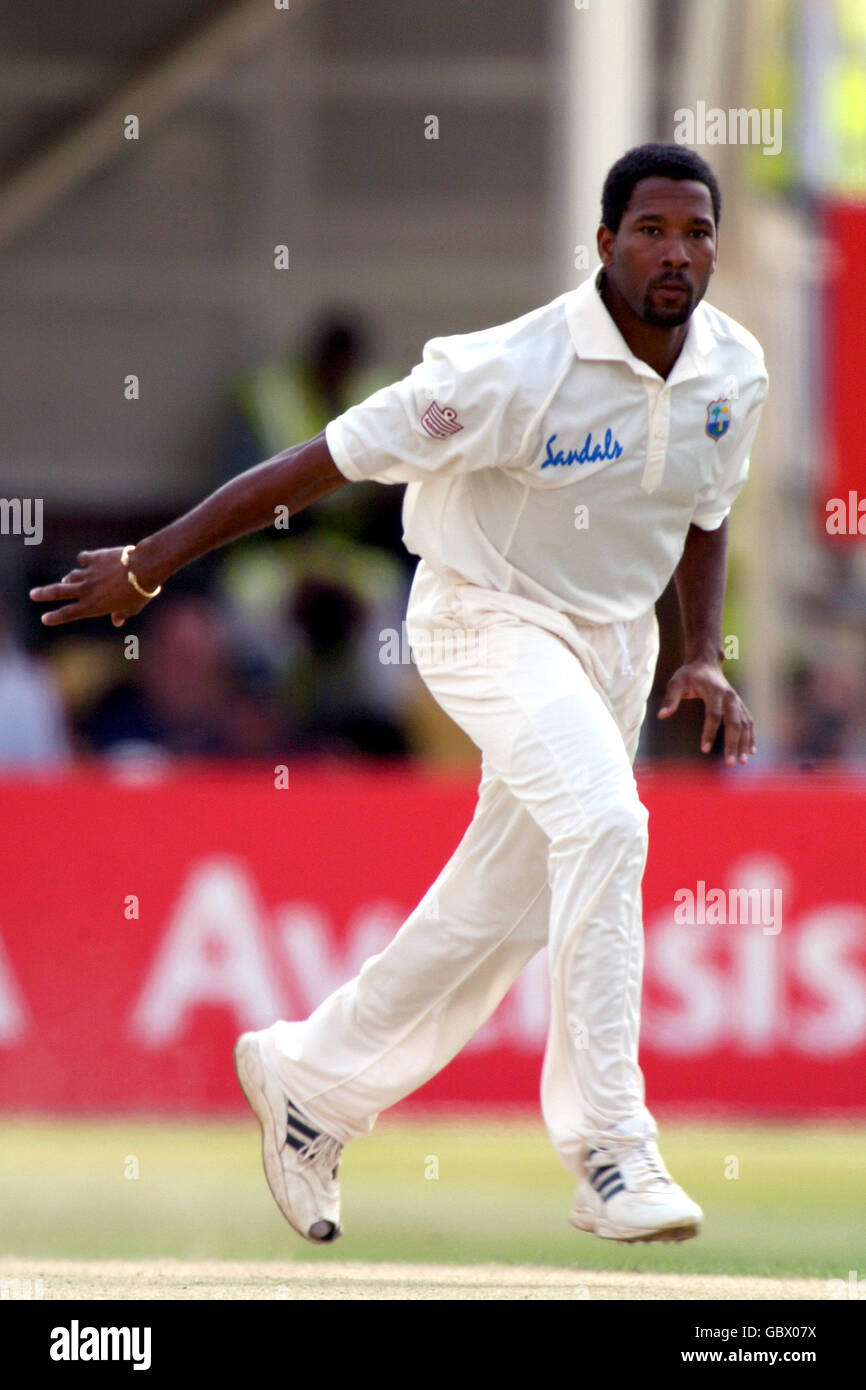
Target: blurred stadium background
{"x":220,"y":224}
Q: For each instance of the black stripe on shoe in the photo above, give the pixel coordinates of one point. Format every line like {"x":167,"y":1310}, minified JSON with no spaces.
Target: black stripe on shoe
{"x":294,"y":1122}
{"x":603,"y":1168}
{"x":607,"y":1180}
{"x":613,"y":1176}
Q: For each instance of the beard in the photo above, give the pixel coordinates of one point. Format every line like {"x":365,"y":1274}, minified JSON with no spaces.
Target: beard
{"x":667,"y":317}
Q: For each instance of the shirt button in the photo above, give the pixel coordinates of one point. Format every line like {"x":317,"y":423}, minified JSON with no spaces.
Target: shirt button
{"x":660,"y":434}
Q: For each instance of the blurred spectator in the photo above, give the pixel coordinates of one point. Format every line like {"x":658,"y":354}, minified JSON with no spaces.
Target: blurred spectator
{"x":291,"y":399}
{"x":32,"y":725}
{"x":822,"y":713}
{"x":309,"y":608}
{"x":312,"y":610}
{"x":187,"y":694}
{"x":338,"y":711}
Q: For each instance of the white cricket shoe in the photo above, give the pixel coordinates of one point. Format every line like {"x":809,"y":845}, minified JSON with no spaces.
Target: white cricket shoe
{"x":628,"y":1194}
{"x":301,"y":1164}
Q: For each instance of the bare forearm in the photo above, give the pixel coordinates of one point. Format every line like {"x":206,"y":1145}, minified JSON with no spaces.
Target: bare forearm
{"x":100,"y":584}
{"x":249,"y":502}
{"x":700,"y":580}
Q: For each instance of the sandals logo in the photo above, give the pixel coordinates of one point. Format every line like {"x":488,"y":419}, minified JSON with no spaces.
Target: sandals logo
{"x":588,"y":453}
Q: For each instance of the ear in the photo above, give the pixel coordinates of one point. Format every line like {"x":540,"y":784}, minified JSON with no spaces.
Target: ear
{"x":715,"y":251}
{"x":605,"y":239}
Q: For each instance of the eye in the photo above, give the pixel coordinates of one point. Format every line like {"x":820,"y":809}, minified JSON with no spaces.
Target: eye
{"x":651,"y":230}
{"x":700,"y":231}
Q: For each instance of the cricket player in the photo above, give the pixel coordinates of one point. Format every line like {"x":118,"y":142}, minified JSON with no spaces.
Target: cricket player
{"x":560,"y":469}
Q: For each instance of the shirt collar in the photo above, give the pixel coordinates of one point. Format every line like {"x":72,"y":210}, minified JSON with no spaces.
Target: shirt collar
{"x":596,"y":337}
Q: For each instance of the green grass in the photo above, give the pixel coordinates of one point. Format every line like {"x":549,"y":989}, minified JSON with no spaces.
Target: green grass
{"x":798,"y":1206}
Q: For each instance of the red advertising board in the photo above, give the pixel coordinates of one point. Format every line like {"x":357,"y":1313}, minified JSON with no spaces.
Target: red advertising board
{"x":145,"y":921}
{"x":841,"y":491}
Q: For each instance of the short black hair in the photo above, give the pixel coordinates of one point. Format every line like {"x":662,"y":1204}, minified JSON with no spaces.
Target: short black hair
{"x":653,"y":161}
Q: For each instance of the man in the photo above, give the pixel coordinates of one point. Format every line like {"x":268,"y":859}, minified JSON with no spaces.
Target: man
{"x":561,"y":468}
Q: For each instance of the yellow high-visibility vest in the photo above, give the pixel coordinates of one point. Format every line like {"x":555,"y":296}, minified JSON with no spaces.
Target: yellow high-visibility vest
{"x":282,"y":408}
{"x":845,"y":101}
{"x":829,"y":97}
{"x":773,"y":86}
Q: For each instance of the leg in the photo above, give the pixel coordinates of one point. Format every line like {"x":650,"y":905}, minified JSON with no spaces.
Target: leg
{"x":597,"y":973}
{"x":573,"y":818}
{"x":553,"y":737}
{"x":415,"y":1005}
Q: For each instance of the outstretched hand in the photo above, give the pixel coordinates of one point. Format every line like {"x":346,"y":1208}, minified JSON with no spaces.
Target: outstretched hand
{"x":703,"y":680}
{"x":97,"y":587}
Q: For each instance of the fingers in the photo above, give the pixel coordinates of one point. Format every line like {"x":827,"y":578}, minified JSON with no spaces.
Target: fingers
{"x":96,"y":588}
{"x":67,"y":614}
{"x":76,"y":592}
{"x":713,"y":710}
{"x":739,"y":730}
{"x":48,"y":593}
{"x":673,"y":696}
{"x":721,"y":703}
{"x":747,"y":735}
{"x":71,"y":612}
{"x":67,"y":589}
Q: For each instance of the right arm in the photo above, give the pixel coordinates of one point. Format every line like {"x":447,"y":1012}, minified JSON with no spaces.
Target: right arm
{"x":247,"y":503}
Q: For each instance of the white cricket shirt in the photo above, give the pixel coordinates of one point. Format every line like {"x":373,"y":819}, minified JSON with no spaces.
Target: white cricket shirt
{"x":547,"y":462}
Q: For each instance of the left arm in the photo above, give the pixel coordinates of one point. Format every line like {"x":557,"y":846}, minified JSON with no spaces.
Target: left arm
{"x":700,"y":581}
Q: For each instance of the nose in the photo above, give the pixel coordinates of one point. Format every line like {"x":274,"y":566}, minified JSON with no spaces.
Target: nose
{"x":675,"y":254}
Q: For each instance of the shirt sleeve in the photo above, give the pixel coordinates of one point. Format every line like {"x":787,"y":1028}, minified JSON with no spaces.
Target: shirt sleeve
{"x":458,"y":410}
{"x":715,"y":502}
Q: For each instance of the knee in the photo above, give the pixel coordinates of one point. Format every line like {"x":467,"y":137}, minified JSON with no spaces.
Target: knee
{"x":623,"y":830}
{"x":626,"y":820}
{"x":617,"y":823}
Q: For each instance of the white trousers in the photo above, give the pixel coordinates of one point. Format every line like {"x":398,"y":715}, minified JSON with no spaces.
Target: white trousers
{"x":554,"y":855}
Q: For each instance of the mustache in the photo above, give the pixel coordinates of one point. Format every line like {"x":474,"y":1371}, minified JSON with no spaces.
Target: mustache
{"x":671,"y":282}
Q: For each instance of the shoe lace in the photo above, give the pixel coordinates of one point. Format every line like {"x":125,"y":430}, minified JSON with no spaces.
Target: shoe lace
{"x":324,"y":1151}
{"x":646,"y":1165}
